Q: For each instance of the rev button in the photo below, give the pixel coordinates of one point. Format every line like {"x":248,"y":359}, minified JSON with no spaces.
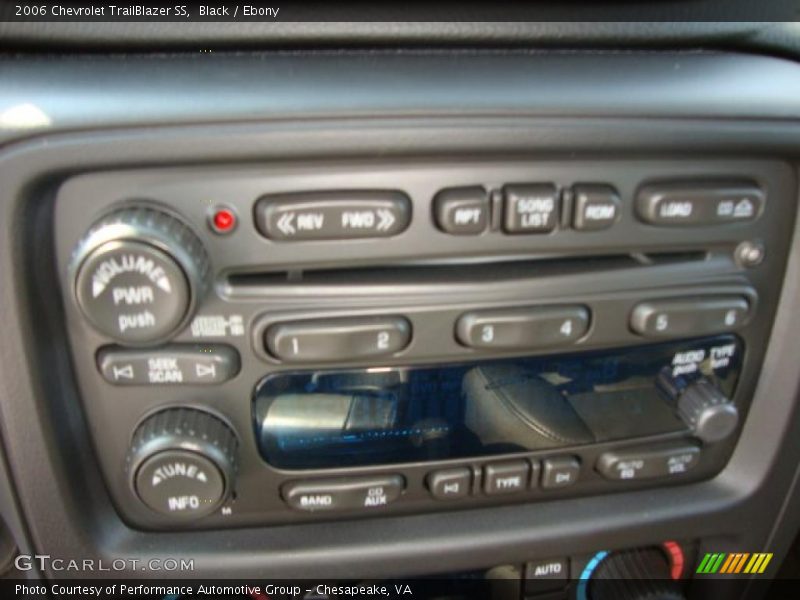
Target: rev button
{"x":336,"y":215}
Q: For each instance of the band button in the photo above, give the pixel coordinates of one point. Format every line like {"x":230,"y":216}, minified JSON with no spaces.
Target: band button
{"x":362,"y":493}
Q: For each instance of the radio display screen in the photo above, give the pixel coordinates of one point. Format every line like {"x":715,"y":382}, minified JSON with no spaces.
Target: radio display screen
{"x":390,"y":415}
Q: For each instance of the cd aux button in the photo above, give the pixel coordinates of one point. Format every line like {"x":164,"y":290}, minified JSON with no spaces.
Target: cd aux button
{"x":347,"y":493}
{"x":337,"y":339}
{"x":520,"y":328}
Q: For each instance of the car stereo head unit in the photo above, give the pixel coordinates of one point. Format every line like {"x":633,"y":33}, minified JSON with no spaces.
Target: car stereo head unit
{"x":269,"y":343}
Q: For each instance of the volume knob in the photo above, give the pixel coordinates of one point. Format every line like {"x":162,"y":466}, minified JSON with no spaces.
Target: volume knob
{"x":139,"y":273}
{"x":182,"y":462}
{"x":707,"y":412}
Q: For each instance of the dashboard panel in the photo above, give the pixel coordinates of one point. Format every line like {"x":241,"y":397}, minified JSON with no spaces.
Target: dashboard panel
{"x":431,"y":215}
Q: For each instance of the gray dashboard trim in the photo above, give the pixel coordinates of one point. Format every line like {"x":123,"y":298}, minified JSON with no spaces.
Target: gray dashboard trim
{"x":51,"y":93}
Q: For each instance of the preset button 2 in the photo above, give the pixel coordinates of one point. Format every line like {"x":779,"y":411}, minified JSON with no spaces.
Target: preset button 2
{"x":335,"y":339}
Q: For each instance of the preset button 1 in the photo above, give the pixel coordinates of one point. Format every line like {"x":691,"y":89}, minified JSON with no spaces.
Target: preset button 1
{"x":519,"y":328}
{"x":337,"y":339}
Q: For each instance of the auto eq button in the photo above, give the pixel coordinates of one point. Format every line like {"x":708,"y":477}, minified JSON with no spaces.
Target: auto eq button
{"x":347,"y":493}
{"x":692,"y":204}
{"x":334,"y":215}
{"x":648,"y":463}
{"x":197,"y":364}
{"x":522,"y":328}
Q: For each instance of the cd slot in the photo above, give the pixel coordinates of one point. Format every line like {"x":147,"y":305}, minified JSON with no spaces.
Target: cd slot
{"x":446,"y":273}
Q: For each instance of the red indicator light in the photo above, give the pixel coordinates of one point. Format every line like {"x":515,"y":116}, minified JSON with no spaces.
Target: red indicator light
{"x":223,"y":220}
{"x":676,"y":559}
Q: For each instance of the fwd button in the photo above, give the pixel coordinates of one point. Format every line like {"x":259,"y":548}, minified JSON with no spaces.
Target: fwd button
{"x":336,"y":215}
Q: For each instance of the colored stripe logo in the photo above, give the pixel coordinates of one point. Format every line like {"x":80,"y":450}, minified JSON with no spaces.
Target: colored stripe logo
{"x":734,"y":563}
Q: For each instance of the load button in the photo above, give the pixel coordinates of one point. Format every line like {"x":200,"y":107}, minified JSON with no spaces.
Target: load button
{"x":336,"y":215}
{"x":347,"y":493}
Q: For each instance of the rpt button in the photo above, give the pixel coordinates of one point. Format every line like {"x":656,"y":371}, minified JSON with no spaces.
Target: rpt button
{"x":337,"y":339}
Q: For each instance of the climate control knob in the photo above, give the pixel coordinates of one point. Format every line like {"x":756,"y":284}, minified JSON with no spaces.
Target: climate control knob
{"x":639,"y":574}
{"x":182,"y":463}
{"x":139,"y":273}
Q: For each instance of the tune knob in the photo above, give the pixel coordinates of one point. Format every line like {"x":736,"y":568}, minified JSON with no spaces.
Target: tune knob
{"x":640,"y":574}
{"x":182,"y":462}
{"x":706,"y":410}
{"x":139,"y":273}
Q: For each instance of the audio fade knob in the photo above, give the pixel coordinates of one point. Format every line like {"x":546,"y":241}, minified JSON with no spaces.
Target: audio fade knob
{"x":640,"y":574}
{"x":707,"y":412}
{"x":139,"y":273}
{"x":182,"y":463}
